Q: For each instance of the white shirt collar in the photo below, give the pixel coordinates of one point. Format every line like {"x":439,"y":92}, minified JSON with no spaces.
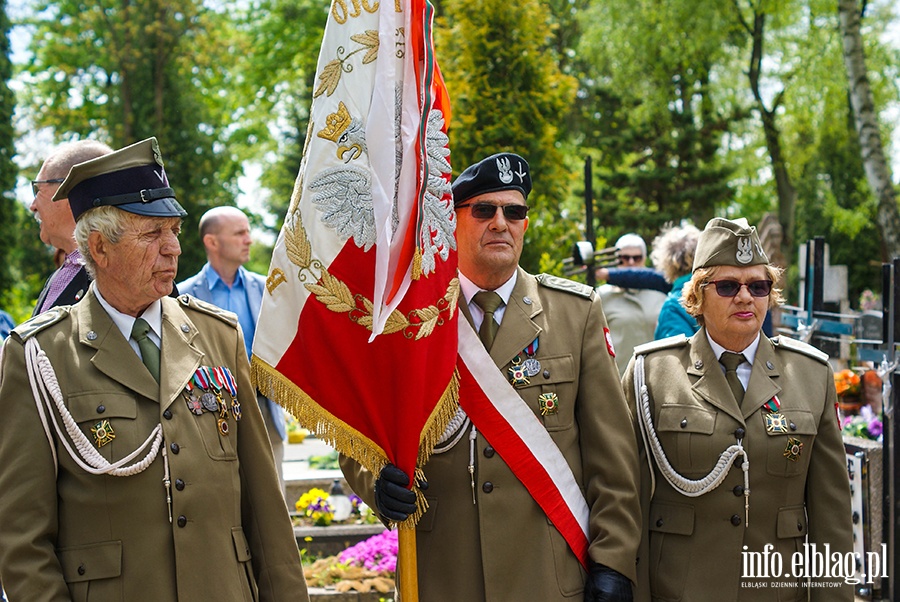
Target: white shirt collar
{"x":124,"y":322}
{"x":749,"y":352}
{"x":469,"y":289}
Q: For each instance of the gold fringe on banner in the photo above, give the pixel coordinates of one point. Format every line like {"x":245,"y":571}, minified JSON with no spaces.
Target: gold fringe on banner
{"x":344,"y":438}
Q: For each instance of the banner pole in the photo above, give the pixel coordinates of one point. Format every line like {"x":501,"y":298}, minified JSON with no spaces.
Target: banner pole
{"x":406,"y":564}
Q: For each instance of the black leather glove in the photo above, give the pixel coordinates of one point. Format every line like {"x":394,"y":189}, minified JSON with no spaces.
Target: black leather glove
{"x":606,"y":585}
{"x":392,"y":498}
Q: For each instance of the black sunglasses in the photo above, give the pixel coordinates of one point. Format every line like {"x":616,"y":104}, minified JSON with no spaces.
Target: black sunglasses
{"x":633,"y":258}
{"x":513,"y":213}
{"x":730,"y":288}
{"x":34,"y":184}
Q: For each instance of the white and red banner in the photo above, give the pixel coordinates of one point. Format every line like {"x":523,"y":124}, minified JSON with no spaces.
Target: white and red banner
{"x":357,"y":333}
{"x":520,"y":438}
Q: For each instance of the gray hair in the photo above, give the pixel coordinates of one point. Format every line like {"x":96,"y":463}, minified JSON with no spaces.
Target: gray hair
{"x":673,"y":250}
{"x":61,"y":160}
{"x":109,"y":221}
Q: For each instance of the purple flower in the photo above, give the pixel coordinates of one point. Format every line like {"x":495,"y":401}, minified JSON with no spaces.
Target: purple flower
{"x":875,"y":428}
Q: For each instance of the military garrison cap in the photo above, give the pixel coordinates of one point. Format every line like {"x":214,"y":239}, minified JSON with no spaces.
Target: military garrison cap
{"x":132,"y":179}
{"x":729,"y":242}
{"x":503,"y":171}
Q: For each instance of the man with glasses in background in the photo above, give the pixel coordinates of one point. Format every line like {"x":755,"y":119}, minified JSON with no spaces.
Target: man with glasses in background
{"x":631,"y":312}
{"x":70,"y":281}
{"x":484,"y":537}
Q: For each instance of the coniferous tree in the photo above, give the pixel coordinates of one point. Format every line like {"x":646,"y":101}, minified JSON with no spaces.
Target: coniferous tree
{"x":8,"y":214}
{"x":508,"y":94}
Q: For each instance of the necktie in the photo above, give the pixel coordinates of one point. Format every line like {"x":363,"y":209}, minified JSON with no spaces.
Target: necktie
{"x":488,"y":301}
{"x":149,"y":350}
{"x":731,"y":361}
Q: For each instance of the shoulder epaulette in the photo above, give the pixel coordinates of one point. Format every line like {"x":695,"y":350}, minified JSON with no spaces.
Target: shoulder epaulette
{"x":31,"y":327}
{"x":208,"y":308}
{"x":564,"y":284}
{"x":679,"y":340}
{"x":800,"y":347}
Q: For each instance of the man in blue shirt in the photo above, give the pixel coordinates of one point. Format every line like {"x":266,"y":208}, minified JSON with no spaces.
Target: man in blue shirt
{"x":223,"y":281}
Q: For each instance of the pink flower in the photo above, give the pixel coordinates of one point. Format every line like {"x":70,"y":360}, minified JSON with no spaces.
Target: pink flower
{"x":377,"y":553}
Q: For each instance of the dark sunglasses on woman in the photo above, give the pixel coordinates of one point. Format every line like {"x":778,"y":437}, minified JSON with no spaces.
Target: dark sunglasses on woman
{"x":513,"y":213}
{"x":730,"y":288}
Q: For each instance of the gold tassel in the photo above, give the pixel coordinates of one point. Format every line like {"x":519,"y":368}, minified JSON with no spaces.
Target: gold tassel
{"x":416,"y":271}
{"x":349,"y":441}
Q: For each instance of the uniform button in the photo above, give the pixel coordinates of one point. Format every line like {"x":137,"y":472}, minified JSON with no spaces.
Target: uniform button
{"x":175,"y":448}
{"x":81,"y":569}
{"x":738,"y":490}
{"x":101,"y":409}
{"x":792,"y":426}
{"x":167,"y":415}
{"x":546,"y":374}
{"x":182,"y":521}
{"x":488,"y":452}
{"x":659,"y":522}
{"x":800,"y":527}
{"x":487,"y":487}
{"x":739,"y":432}
{"x":684,"y":423}
{"x":179,"y":484}
{"x":735,"y":520}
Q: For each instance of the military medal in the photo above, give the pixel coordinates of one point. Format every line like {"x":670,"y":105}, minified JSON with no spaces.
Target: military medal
{"x":192,"y":401}
{"x":531,"y":365}
{"x":231,"y":384}
{"x":207,"y":399}
{"x":517,"y":375}
{"x":775,"y":420}
{"x":793,"y":450}
{"x":549,"y":403}
{"x":222,"y":420}
{"x":103,"y":433}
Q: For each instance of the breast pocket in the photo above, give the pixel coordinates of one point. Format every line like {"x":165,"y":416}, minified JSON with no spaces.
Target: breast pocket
{"x":788,"y":448}
{"x":555,"y":383}
{"x":685,"y":432}
{"x":108,"y":420}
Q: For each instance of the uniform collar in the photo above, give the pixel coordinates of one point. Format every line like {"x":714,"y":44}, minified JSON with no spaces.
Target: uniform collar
{"x":748,"y":352}
{"x":124,"y":322}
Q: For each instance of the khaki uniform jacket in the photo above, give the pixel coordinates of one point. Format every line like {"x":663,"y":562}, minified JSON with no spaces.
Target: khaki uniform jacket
{"x":66,"y":534}
{"x":503,"y":548}
{"x":692,"y":547}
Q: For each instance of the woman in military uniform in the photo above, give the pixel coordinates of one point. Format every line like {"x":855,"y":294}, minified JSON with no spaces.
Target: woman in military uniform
{"x":743,"y":466}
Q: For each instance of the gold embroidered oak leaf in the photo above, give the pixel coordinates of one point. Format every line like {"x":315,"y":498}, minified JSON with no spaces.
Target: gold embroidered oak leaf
{"x":429,"y":316}
{"x":369,"y":39}
{"x":333,"y":293}
{"x":329,"y":78}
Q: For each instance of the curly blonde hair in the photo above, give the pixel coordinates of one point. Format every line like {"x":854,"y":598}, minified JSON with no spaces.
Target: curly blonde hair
{"x":673,"y":250}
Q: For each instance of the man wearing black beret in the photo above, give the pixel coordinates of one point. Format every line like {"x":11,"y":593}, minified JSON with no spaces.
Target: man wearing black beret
{"x":483,"y":537}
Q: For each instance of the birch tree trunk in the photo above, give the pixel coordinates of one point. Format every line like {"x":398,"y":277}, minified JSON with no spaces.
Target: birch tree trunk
{"x":878,"y":171}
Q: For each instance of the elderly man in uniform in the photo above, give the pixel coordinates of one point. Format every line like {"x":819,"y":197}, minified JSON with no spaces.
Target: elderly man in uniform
{"x":483,"y":536}
{"x":135,"y":462}
{"x":744,"y":457}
